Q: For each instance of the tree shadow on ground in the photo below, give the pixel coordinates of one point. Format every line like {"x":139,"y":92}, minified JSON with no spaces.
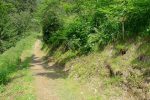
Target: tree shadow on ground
{"x":52,"y":70}
{"x":22,"y":65}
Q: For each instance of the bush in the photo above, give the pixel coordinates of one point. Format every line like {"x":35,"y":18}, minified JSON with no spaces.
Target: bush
{"x":88,"y":26}
{"x":138,"y":17}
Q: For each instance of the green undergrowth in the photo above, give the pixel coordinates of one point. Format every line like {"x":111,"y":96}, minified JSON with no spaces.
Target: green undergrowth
{"x":16,"y":78}
{"x":20,"y":86}
{"x":11,"y":59}
{"x":77,"y":90}
{"x":119,"y":66}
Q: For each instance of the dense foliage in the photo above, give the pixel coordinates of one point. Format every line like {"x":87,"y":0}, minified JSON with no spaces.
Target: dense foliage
{"x":16,"y":17}
{"x":87,"y":25}
{"x":17,"y":25}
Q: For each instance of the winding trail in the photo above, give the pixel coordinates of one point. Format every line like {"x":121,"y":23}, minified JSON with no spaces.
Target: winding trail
{"x":44,"y":79}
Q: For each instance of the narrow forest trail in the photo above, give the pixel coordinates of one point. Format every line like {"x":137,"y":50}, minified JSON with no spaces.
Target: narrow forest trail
{"x":50,"y":83}
{"x":44,"y":79}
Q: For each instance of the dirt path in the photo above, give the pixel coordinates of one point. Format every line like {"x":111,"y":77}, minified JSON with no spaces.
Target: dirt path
{"x":44,"y":79}
{"x":50,"y":81}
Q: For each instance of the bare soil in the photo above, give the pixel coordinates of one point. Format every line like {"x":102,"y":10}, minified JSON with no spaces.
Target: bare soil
{"x":45,"y":82}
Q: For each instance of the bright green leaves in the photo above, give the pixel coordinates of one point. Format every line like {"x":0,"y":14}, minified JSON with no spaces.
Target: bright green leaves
{"x":92,"y":24}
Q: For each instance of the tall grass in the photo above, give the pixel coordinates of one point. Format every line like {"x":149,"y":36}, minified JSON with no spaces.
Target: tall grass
{"x":10,"y":60}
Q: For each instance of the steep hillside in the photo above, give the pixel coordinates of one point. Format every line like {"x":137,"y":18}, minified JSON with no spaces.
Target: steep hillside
{"x":119,"y":71}
{"x":104,"y":43}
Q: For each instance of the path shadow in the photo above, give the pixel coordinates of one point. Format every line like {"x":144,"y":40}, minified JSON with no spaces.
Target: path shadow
{"x":16,"y":77}
{"x":21,"y":65}
{"x":53,"y":70}
{"x":51,"y":75}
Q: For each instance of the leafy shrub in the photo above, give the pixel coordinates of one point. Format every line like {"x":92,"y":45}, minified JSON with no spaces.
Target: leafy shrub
{"x":139,"y":16}
{"x":94,"y":23}
{"x":51,"y":25}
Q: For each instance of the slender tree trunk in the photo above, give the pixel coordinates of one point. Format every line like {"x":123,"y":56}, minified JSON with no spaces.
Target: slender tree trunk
{"x":123,"y":30}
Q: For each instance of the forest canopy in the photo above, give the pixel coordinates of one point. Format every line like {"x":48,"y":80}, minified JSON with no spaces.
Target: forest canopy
{"x":16,"y":19}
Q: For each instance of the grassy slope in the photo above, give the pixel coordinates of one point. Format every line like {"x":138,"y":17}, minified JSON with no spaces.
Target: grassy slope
{"x":68,"y":89}
{"x":131,"y":70}
{"x":20,"y":87}
{"x":19,"y":80}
